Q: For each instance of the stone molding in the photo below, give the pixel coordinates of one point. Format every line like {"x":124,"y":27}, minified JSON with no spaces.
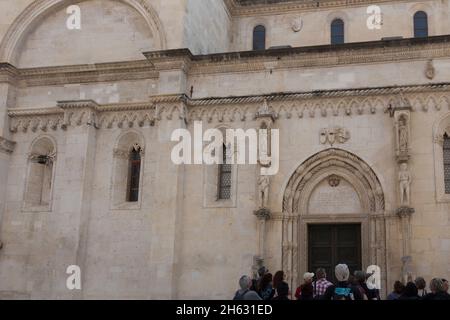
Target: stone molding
{"x":261,"y":7}
{"x":295,"y":217}
{"x":228,"y":109}
{"x":302,"y":57}
{"x":248,"y":61}
{"x":7,"y":146}
{"x":83,"y":112}
{"x":99,"y":72}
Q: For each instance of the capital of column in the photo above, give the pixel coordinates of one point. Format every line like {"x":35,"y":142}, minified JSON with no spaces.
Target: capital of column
{"x":404,"y":212}
{"x":262,"y":213}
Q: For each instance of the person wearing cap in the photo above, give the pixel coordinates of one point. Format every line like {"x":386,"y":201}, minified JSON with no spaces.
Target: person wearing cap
{"x":305,"y":291}
{"x":342,"y":290}
{"x":321,"y":284}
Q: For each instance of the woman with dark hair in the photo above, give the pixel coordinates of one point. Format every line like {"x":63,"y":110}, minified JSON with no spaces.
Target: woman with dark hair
{"x":421,"y":286}
{"x":282,"y":291}
{"x":277,"y":278}
{"x":265,"y":290}
{"x":410,"y":292}
{"x":398,"y":291}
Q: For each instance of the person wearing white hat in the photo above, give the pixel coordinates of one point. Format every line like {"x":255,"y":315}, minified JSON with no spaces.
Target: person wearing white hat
{"x":343,"y":289}
{"x":305,"y":291}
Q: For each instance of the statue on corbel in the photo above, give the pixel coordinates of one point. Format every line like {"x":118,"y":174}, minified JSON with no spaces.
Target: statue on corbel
{"x":404,"y":178}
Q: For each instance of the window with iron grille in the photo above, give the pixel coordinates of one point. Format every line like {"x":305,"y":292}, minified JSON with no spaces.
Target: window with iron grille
{"x":447,"y":163}
{"x":259,"y":38}
{"x":225,"y":170}
{"x":337,"y":31}
{"x":134,"y":175}
{"x":420,"y":24}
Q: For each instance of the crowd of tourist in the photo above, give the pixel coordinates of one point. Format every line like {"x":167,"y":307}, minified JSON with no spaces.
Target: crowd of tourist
{"x":347,"y":287}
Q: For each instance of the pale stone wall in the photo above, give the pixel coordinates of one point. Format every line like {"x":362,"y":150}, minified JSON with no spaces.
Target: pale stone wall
{"x":177,"y":241}
{"x":207,"y":27}
{"x":397,"y":21}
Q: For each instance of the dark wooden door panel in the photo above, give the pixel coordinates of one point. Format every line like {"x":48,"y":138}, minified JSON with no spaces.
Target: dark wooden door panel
{"x":330,"y":245}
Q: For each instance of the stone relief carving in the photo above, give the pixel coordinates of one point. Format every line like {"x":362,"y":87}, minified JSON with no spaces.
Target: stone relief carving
{"x":297,"y":24}
{"x":334,"y":135}
{"x":334,"y":181}
{"x":404,"y":178}
{"x":430,"y":71}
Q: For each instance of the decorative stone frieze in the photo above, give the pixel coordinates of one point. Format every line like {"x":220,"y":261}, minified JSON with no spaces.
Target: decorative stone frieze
{"x":231,"y":109}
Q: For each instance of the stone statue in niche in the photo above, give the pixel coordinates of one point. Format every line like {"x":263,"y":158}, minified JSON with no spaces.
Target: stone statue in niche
{"x":263,"y":191}
{"x":404,"y":178}
{"x":403,"y":135}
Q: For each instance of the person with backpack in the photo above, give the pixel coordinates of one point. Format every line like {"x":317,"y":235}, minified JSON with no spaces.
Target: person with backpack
{"x":244,"y":293}
{"x":342,"y":290}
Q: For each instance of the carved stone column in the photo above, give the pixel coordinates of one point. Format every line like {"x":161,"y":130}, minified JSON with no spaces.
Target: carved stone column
{"x":265,"y":119}
{"x":402,"y":123}
{"x":263,"y":215}
{"x":405,"y":214}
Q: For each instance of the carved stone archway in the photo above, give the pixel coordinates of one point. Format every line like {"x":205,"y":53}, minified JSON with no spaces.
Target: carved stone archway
{"x":340,"y":164}
{"x":38,"y":10}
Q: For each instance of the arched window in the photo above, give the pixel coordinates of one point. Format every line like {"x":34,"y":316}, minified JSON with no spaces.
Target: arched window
{"x":420,"y":24}
{"x":259,"y":38}
{"x":225,"y":170}
{"x":447,"y":163}
{"x":127,"y":170}
{"x":337,"y":31}
{"x":38,"y":191}
{"x":134,"y":174}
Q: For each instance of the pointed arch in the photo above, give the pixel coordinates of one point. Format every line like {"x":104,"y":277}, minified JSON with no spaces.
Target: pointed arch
{"x":341,"y":165}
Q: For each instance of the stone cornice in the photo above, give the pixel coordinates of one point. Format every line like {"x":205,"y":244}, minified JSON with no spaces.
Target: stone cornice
{"x":100,"y":72}
{"x":264,"y":7}
{"x":6,"y":146}
{"x":246,"y":61}
{"x":287,"y":105}
{"x":303,"y":57}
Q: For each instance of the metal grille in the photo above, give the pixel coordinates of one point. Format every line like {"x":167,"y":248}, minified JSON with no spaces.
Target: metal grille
{"x":447,"y":163}
{"x":224,"y":178}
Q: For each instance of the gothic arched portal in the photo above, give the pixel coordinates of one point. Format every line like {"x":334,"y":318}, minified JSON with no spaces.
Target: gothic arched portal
{"x":360,"y":200}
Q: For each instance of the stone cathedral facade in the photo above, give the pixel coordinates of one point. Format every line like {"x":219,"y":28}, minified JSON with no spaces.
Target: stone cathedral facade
{"x":360,"y":96}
